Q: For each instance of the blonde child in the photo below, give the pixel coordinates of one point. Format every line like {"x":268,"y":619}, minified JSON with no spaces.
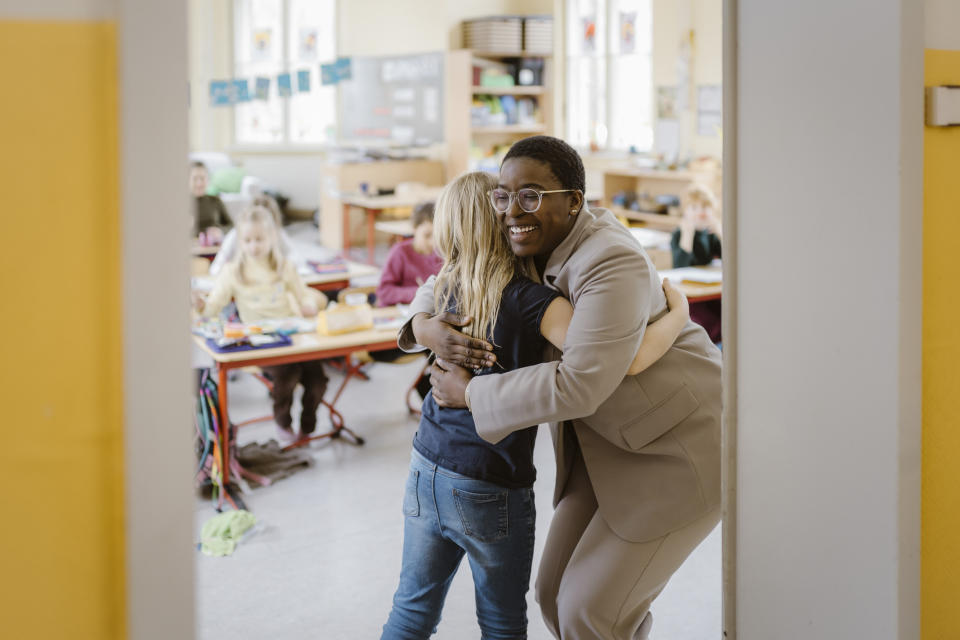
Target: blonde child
{"x":228,"y":248}
{"x":697,"y":242}
{"x":265,"y":285}
{"x":465,"y":496}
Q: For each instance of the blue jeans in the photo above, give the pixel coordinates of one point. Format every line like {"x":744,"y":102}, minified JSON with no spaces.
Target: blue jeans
{"x":448,"y":515}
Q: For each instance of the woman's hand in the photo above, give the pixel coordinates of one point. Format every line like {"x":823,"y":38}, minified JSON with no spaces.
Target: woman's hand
{"x":438,"y":334}
{"x":449,"y":384}
{"x":309,"y":309}
{"x":676,"y":301}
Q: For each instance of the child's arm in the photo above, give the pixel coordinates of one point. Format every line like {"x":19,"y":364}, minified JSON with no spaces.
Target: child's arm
{"x":657,"y":339}
{"x":306,"y":301}
{"x":221,"y":294}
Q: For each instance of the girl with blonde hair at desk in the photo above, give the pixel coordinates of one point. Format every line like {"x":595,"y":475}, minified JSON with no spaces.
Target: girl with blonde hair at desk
{"x":264,"y":284}
{"x":465,"y":496}
{"x":696,"y":242}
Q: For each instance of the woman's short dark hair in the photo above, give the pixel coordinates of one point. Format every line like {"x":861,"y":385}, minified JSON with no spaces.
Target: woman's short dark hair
{"x":423,"y":212}
{"x":563,"y":160}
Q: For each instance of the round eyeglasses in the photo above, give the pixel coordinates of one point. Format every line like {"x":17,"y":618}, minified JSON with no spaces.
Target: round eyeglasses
{"x":528,"y":199}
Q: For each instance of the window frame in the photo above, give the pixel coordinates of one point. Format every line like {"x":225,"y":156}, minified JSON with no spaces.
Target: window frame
{"x":286,"y":64}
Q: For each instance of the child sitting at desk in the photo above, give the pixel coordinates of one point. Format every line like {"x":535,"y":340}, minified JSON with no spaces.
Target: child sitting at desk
{"x":266,"y":285}
{"x":410,"y":262}
{"x":209,"y":213}
{"x":696,"y":242}
{"x":228,"y":247}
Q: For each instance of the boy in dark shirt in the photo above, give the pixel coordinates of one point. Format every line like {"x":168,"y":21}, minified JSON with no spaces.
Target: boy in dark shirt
{"x":209,"y":215}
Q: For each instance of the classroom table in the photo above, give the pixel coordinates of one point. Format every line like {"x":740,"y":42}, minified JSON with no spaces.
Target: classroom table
{"x":319,"y":281}
{"x":373,"y":205}
{"x":402,"y":227}
{"x":699,"y":284}
{"x":204,"y":251}
{"x":306,"y":346}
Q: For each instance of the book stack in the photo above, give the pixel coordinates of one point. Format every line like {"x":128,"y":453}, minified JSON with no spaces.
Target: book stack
{"x":333,"y":265}
{"x":495,"y":34}
{"x":538,"y":34}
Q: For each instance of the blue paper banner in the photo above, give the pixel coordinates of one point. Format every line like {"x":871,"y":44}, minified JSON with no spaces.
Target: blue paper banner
{"x":241,"y":90}
{"x":303,"y":81}
{"x":284,"y":89}
{"x":344,"y":69}
{"x":221,"y":93}
{"x":262,"y":91}
{"x":328,"y":74}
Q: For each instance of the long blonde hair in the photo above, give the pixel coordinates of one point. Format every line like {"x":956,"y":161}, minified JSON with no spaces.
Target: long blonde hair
{"x":477,"y":260}
{"x":258,"y":214}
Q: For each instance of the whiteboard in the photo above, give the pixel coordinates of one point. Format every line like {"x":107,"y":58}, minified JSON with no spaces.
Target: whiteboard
{"x":393,"y":98}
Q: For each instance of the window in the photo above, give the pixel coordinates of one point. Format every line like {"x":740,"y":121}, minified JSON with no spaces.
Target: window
{"x":610,"y":73}
{"x":272,"y":37}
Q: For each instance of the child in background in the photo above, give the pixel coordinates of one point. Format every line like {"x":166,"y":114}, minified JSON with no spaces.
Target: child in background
{"x":465,"y":496}
{"x":228,"y":248}
{"x":209,"y":214}
{"x":697,"y":242}
{"x":264,"y":285}
{"x":410,"y":262}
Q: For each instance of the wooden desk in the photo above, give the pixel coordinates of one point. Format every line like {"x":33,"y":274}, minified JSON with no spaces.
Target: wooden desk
{"x":374,"y":205}
{"x":402,"y":228}
{"x":209,"y":251}
{"x":306,"y":346}
{"x":695,"y":291}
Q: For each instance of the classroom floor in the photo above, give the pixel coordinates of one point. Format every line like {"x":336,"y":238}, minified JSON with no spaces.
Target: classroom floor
{"x":324,"y":558}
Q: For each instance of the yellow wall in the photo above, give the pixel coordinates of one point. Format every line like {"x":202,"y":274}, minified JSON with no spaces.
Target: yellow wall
{"x":941,"y":353}
{"x":62,"y":539}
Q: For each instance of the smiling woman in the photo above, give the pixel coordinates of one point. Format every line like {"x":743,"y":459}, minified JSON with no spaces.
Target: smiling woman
{"x":638,"y":478}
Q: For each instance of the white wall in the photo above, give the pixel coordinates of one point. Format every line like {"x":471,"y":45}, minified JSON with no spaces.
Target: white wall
{"x":941,"y":20}
{"x":672,"y":22}
{"x":828,"y":311}
{"x":157,"y":374}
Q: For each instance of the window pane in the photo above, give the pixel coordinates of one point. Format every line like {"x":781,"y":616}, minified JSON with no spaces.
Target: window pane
{"x":312,"y":31}
{"x":586,"y":27}
{"x":258,"y":51}
{"x":312,"y":41}
{"x":631,"y":102}
{"x":313,"y":115}
{"x":586,"y":101}
{"x":257,"y":34}
{"x":630,"y":29}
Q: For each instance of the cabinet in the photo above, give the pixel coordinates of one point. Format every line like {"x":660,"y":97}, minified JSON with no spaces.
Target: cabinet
{"x":654,"y":183}
{"x":477,"y":137}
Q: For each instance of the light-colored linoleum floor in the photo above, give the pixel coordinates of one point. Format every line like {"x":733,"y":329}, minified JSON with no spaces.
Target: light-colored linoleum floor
{"x":324,"y":559}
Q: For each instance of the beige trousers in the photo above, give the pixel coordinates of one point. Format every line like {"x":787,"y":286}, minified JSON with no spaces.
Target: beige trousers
{"x":592,"y":584}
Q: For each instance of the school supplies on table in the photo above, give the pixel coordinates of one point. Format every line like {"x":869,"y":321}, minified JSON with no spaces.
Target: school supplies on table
{"x":333,"y":265}
{"x":247,"y":343}
{"x":344,"y":318}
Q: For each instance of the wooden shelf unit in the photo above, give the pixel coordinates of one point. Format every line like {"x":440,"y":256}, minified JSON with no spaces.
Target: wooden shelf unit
{"x":460,"y":133}
{"x":654,"y":182}
{"x":508,"y":91}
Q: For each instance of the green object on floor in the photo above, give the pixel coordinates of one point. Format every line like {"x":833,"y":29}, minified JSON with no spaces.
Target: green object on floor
{"x":220,"y":534}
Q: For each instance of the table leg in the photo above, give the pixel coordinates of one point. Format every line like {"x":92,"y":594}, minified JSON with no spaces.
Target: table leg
{"x":371,"y":221}
{"x":346,"y":231}
{"x":224,"y":429}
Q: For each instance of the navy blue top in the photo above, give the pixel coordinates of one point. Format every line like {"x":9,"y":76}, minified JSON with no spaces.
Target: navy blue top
{"x":448,"y":437}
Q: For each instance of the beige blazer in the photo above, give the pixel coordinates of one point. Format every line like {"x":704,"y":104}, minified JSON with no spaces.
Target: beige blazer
{"x":651,"y":442}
